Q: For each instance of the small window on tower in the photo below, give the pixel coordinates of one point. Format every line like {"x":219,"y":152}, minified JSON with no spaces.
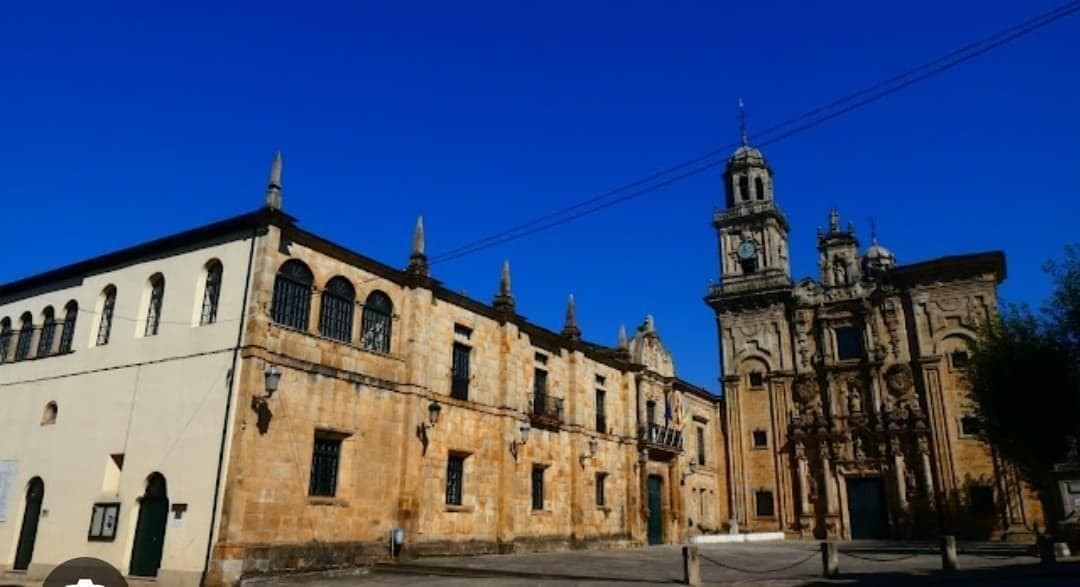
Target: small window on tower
{"x":757,"y":380}
{"x":761,"y":440}
{"x":744,"y":189}
{"x":759,"y":188}
{"x":959,"y":360}
{"x":748,"y":265}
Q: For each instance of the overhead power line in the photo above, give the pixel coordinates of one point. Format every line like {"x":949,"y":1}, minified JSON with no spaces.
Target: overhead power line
{"x":771,"y":135}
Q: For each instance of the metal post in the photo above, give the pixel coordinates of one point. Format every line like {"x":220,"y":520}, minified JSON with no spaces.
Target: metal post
{"x":830,"y":562}
{"x":948,"y":553}
{"x":691,"y":565}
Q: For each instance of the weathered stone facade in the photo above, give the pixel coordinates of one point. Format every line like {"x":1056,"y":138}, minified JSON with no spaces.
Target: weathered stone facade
{"x":845,"y":402}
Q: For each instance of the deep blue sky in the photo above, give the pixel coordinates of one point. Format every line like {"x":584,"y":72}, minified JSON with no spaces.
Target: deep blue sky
{"x":123,"y":122}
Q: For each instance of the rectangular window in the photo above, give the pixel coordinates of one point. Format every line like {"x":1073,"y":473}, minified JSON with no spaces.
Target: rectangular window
{"x":982,"y":500}
{"x":601,"y":479}
{"x":538,"y":487}
{"x":650,"y":413}
{"x":601,"y":412}
{"x":700,"y":445}
{"x":959,"y":360}
{"x":970,"y":426}
{"x":763,"y":504}
{"x":849,"y":343}
{"x":459,"y":379}
{"x":455,"y":476}
{"x":761,"y":440}
{"x":324,"y":466}
{"x":462,"y":331}
{"x":757,"y":380}
{"x":103,"y":519}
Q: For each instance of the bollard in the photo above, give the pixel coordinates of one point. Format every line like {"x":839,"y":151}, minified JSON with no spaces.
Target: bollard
{"x":830,"y":562}
{"x":691,"y":566}
{"x":948,"y":553}
{"x":1045,"y":544}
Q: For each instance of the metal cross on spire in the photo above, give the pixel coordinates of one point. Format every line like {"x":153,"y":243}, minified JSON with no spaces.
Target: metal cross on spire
{"x":742,"y":123}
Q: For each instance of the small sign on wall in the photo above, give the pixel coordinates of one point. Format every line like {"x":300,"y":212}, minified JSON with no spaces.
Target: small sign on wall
{"x":103,"y":520}
{"x":7,"y":479}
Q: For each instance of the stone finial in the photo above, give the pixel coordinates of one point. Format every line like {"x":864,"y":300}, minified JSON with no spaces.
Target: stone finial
{"x":650,"y":324}
{"x":273,"y":186}
{"x":834,"y":220}
{"x":504,"y":300}
{"x":623,"y":343}
{"x":417,"y":259}
{"x":571,"y":329}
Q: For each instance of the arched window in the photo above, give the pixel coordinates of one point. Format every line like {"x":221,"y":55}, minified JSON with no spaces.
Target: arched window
{"x":71,"y":313}
{"x":336,"y":310}
{"x":48,"y":332}
{"x":107,"y":305}
{"x":49,"y":415}
{"x":744,"y":189}
{"x":211,"y":293}
{"x":153,"y":310}
{"x":5,"y":338}
{"x":376,"y":324}
{"x":26,"y":334}
{"x":291,"y":305}
{"x":759,"y":187}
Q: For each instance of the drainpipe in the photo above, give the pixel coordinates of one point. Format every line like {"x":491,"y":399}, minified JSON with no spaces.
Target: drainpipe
{"x":228,"y":406}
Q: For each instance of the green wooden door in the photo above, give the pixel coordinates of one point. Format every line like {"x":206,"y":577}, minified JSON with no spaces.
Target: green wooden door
{"x":656,"y":514}
{"x":35,"y":493}
{"x":867,"y":508}
{"x":150,"y":529}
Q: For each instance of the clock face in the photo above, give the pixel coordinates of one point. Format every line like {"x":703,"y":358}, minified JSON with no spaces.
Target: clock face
{"x":747,"y":250}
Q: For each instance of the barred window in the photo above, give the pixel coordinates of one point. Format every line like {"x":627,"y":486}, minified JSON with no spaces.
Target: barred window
{"x":700,"y":445}
{"x":763,"y":504}
{"x":538,"y":487}
{"x":601,"y":412}
{"x":324,"y":466}
{"x":211,"y":293}
{"x":455,"y":479}
{"x":107,"y":306}
{"x":336,"y":309}
{"x":26,"y":334}
{"x":601,"y":478}
{"x":153,"y":310}
{"x":459,"y":379}
{"x":71,"y":314}
{"x":291,"y":304}
{"x":5,"y":338}
{"x":376,"y":324}
{"x":48,"y":332}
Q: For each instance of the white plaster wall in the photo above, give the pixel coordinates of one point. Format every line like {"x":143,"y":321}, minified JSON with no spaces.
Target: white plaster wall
{"x":160,"y":400}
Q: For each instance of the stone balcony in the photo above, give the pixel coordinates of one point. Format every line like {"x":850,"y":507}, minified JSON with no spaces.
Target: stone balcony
{"x":545,"y":411}
{"x":662,"y":442}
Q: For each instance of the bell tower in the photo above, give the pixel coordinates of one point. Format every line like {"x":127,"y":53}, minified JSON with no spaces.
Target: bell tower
{"x":752,"y":232}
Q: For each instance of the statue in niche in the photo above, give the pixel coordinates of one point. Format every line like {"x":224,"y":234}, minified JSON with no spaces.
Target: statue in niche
{"x":857,"y":447}
{"x":839,"y":272}
{"x":854,"y":397}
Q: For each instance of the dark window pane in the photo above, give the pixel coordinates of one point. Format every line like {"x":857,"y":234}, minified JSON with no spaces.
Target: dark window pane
{"x":849,"y":343}
{"x":105,"y":325}
{"x":455,"y":473}
{"x":26,"y":335}
{"x":324,"y":466}
{"x":763,"y":504}
{"x":959,"y":359}
{"x":601,"y":479}
{"x":336,"y":310}
{"x":969,"y":426}
{"x":700,"y":445}
{"x":459,"y":379}
{"x":48,"y":334}
{"x":291,"y":304}
{"x":759,"y":187}
{"x":757,"y":379}
{"x":153,"y":312}
{"x":376,"y":322}
{"x":982,"y":500}
{"x":5,"y":339}
{"x":71,"y":315}
{"x":538,"y":488}
{"x":601,"y":411}
{"x":650,"y":412}
{"x":760,"y":439}
{"x":211,"y":294}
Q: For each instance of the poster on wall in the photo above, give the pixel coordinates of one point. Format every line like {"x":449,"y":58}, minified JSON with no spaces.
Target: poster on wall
{"x":7,"y":481}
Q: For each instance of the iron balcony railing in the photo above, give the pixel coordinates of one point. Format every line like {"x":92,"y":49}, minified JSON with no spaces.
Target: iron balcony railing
{"x":662,"y":437}
{"x":546,"y":409}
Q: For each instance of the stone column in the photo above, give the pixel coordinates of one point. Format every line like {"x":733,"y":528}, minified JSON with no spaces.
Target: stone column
{"x":827,"y":479}
{"x":804,"y":482}
{"x":927,"y":470}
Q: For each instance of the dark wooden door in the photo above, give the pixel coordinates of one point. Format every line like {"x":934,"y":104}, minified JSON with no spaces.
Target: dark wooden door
{"x":150,"y":528}
{"x":867,"y":508}
{"x":35,"y":493}
{"x":656,"y":513}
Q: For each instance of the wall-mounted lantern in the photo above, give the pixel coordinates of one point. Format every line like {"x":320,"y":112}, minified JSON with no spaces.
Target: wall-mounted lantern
{"x":593,"y":445}
{"x":272,"y":378}
{"x":517,"y":443}
{"x":433,"y":410}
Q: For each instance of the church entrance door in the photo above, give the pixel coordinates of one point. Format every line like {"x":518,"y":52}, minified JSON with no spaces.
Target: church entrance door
{"x":35,"y":493}
{"x":867,"y":508}
{"x":656,"y":513}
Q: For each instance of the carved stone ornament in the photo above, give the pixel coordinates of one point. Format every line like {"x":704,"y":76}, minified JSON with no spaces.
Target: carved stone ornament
{"x":805,"y":389}
{"x":899,"y":380}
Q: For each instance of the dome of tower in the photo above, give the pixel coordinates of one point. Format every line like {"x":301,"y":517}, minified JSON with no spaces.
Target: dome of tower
{"x":747,"y":155}
{"x":878,"y":256}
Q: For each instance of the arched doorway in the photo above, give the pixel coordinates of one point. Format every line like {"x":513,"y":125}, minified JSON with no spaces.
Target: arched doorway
{"x":35,"y":493}
{"x":150,"y":528}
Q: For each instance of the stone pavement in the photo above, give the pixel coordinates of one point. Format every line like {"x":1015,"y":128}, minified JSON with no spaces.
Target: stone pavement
{"x":785,"y":563}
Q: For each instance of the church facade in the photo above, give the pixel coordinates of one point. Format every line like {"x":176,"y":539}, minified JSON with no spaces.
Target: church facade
{"x":845,"y":407}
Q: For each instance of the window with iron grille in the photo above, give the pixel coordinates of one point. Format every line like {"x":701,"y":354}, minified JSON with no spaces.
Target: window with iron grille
{"x":761,"y":440}
{"x":67,"y":333}
{"x":211,"y":294}
{"x":601,"y":411}
{"x":601,"y":480}
{"x":48,"y":333}
{"x":5,"y":338}
{"x":324,"y":466}
{"x":849,"y":343}
{"x":153,"y":312}
{"x":336,"y":309}
{"x":981,"y":498}
{"x":538,"y":488}
{"x":291,"y":304}
{"x":459,"y":377}
{"x":700,"y":445}
{"x":376,"y":322}
{"x":455,"y":479}
{"x":763,"y":504}
{"x":26,"y":334}
{"x":105,"y":325}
